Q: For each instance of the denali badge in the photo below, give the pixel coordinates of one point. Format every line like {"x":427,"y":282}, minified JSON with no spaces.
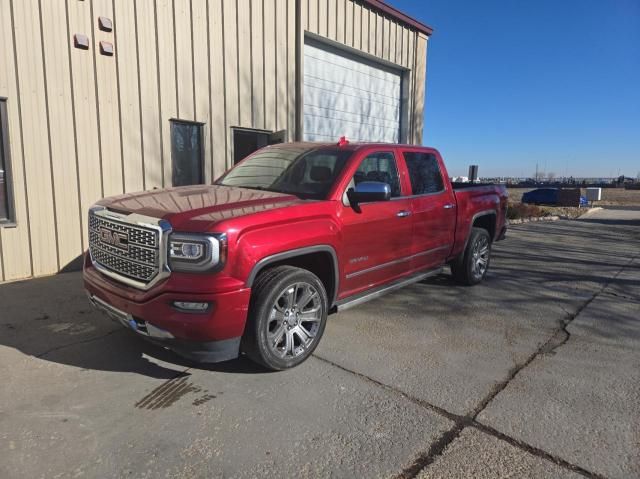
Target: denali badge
{"x":114,"y":238}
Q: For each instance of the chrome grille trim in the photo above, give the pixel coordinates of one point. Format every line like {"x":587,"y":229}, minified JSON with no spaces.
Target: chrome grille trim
{"x":144,"y":261}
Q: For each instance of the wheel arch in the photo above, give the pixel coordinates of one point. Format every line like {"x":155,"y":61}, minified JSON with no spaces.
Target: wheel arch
{"x":312,"y":258}
{"x":487,"y":220}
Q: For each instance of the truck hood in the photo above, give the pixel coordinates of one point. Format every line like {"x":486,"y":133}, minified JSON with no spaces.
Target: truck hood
{"x":201,"y":204}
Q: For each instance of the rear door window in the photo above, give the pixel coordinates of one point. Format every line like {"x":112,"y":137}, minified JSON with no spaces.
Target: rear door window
{"x":424,"y":172}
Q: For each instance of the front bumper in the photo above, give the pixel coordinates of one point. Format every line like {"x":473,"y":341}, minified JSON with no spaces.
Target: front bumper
{"x":209,"y":336}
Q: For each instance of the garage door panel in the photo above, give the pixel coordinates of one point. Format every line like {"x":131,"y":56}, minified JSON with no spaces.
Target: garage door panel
{"x":349,"y":116}
{"x":351,"y":105}
{"x":347,"y":95}
{"x":347,"y":87}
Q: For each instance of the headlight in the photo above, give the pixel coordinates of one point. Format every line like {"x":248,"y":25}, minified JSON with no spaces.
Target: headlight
{"x":197,"y":253}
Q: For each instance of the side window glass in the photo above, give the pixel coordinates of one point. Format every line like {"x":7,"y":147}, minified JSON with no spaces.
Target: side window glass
{"x":379,"y":167}
{"x":424,"y":172}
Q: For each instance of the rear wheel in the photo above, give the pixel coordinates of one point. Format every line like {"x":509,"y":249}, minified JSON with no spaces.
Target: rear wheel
{"x":287,"y":317}
{"x":471,"y":266}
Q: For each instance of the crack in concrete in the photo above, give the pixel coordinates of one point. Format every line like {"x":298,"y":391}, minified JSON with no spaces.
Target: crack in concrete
{"x":559,"y":337}
{"x":450,"y":435}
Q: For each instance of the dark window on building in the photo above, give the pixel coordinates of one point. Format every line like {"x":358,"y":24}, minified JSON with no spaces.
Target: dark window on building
{"x":6,"y":191}
{"x":379,"y":167}
{"x":424,"y":172}
{"x":246,"y":141}
{"x":187,"y":153}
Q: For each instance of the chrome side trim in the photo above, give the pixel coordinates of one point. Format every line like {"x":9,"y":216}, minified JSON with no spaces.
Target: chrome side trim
{"x":396,"y":261}
{"x":376,"y":293}
{"x":164,"y":229}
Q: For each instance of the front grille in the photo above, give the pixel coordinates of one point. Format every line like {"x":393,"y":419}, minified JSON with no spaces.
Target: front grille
{"x":128,"y":250}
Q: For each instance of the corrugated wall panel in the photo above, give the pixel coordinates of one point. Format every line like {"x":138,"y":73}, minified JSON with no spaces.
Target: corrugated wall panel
{"x":184,"y":58}
{"x":257,"y":64}
{"x":322,"y":17}
{"x":312,"y":15}
{"x":386,"y":37}
{"x":216,"y":69}
{"x":127,"y":66}
{"x":86,"y":116}
{"x":34,"y":123}
{"x":291,"y":69}
{"x":62,"y":133}
{"x":421,"y":66}
{"x":230,"y":88}
{"x":16,"y":242}
{"x":167,"y":77}
{"x":244,"y":63}
{"x":341,"y":12}
{"x":201,"y":77}
{"x":108,"y":108}
{"x":281,"y":64}
{"x":332,"y":19}
{"x":149,"y":104}
{"x":270,"y":85}
{"x":349,"y":23}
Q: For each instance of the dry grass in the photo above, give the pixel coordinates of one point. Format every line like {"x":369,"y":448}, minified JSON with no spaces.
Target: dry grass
{"x":610,"y":196}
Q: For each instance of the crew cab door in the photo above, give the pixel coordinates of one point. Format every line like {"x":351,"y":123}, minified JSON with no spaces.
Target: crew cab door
{"x":376,"y":245}
{"x":433,"y":207}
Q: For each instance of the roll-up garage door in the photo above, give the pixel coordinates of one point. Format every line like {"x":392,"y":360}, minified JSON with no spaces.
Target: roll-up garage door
{"x":348,"y":95}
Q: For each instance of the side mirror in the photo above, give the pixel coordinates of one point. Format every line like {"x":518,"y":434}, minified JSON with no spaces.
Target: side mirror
{"x":368,"y":191}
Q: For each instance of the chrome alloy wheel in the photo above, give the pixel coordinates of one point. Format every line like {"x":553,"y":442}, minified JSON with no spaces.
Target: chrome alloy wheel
{"x":480,"y":259}
{"x":294,"y":320}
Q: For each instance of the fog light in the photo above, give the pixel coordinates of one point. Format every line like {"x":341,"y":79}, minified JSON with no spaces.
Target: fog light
{"x":190,"y":306}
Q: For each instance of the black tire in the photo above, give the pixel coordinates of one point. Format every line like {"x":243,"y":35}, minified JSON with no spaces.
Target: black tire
{"x":465,"y":268}
{"x":271,"y":290}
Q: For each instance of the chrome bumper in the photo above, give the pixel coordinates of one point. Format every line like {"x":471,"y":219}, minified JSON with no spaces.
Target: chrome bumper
{"x":141,"y":327}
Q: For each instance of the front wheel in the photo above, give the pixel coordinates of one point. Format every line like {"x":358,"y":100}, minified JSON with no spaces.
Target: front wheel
{"x":471,"y":266}
{"x":287,"y":317}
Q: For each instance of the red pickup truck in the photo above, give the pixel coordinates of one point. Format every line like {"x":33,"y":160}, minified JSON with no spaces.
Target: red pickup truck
{"x":257,"y":261}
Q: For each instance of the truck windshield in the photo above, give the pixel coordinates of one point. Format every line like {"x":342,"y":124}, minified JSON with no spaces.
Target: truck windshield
{"x":307,"y":172}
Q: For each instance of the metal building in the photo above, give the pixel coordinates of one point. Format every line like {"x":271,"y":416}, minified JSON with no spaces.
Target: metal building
{"x":101,"y":97}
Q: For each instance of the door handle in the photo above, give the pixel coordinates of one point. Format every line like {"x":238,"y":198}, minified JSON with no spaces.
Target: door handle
{"x":448,"y":206}
{"x":403,"y":213}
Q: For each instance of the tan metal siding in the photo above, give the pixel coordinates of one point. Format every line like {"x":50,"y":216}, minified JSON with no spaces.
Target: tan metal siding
{"x":216,"y":70}
{"x":230,"y":88}
{"x":86,"y":118}
{"x":244,"y":63}
{"x":34,"y":123}
{"x":62,"y":139}
{"x":16,"y":242}
{"x":419,"y":96}
{"x":270,"y":65}
{"x":167,"y":80}
{"x":291,"y":69}
{"x":281,"y":64}
{"x":201,"y":83}
{"x":108,"y":111}
{"x":127,"y":66}
{"x":147,"y":58}
{"x":102,"y":122}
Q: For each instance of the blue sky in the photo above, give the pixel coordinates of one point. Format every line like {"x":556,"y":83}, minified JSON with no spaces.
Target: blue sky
{"x":514,"y":82}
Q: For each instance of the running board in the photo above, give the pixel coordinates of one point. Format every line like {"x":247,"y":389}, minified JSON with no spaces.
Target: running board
{"x":360,"y":298}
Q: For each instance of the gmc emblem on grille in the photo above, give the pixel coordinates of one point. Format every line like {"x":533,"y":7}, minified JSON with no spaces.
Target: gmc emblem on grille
{"x":114,"y":238}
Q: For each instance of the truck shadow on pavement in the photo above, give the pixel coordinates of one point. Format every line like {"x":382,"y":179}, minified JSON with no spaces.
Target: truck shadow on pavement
{"x":51,"y":319}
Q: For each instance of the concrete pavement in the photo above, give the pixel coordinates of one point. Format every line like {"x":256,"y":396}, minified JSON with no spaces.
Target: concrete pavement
{"x":533,"y":373}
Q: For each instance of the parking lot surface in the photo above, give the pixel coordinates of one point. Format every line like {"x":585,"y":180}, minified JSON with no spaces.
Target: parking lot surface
{"x":533,"y":373}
